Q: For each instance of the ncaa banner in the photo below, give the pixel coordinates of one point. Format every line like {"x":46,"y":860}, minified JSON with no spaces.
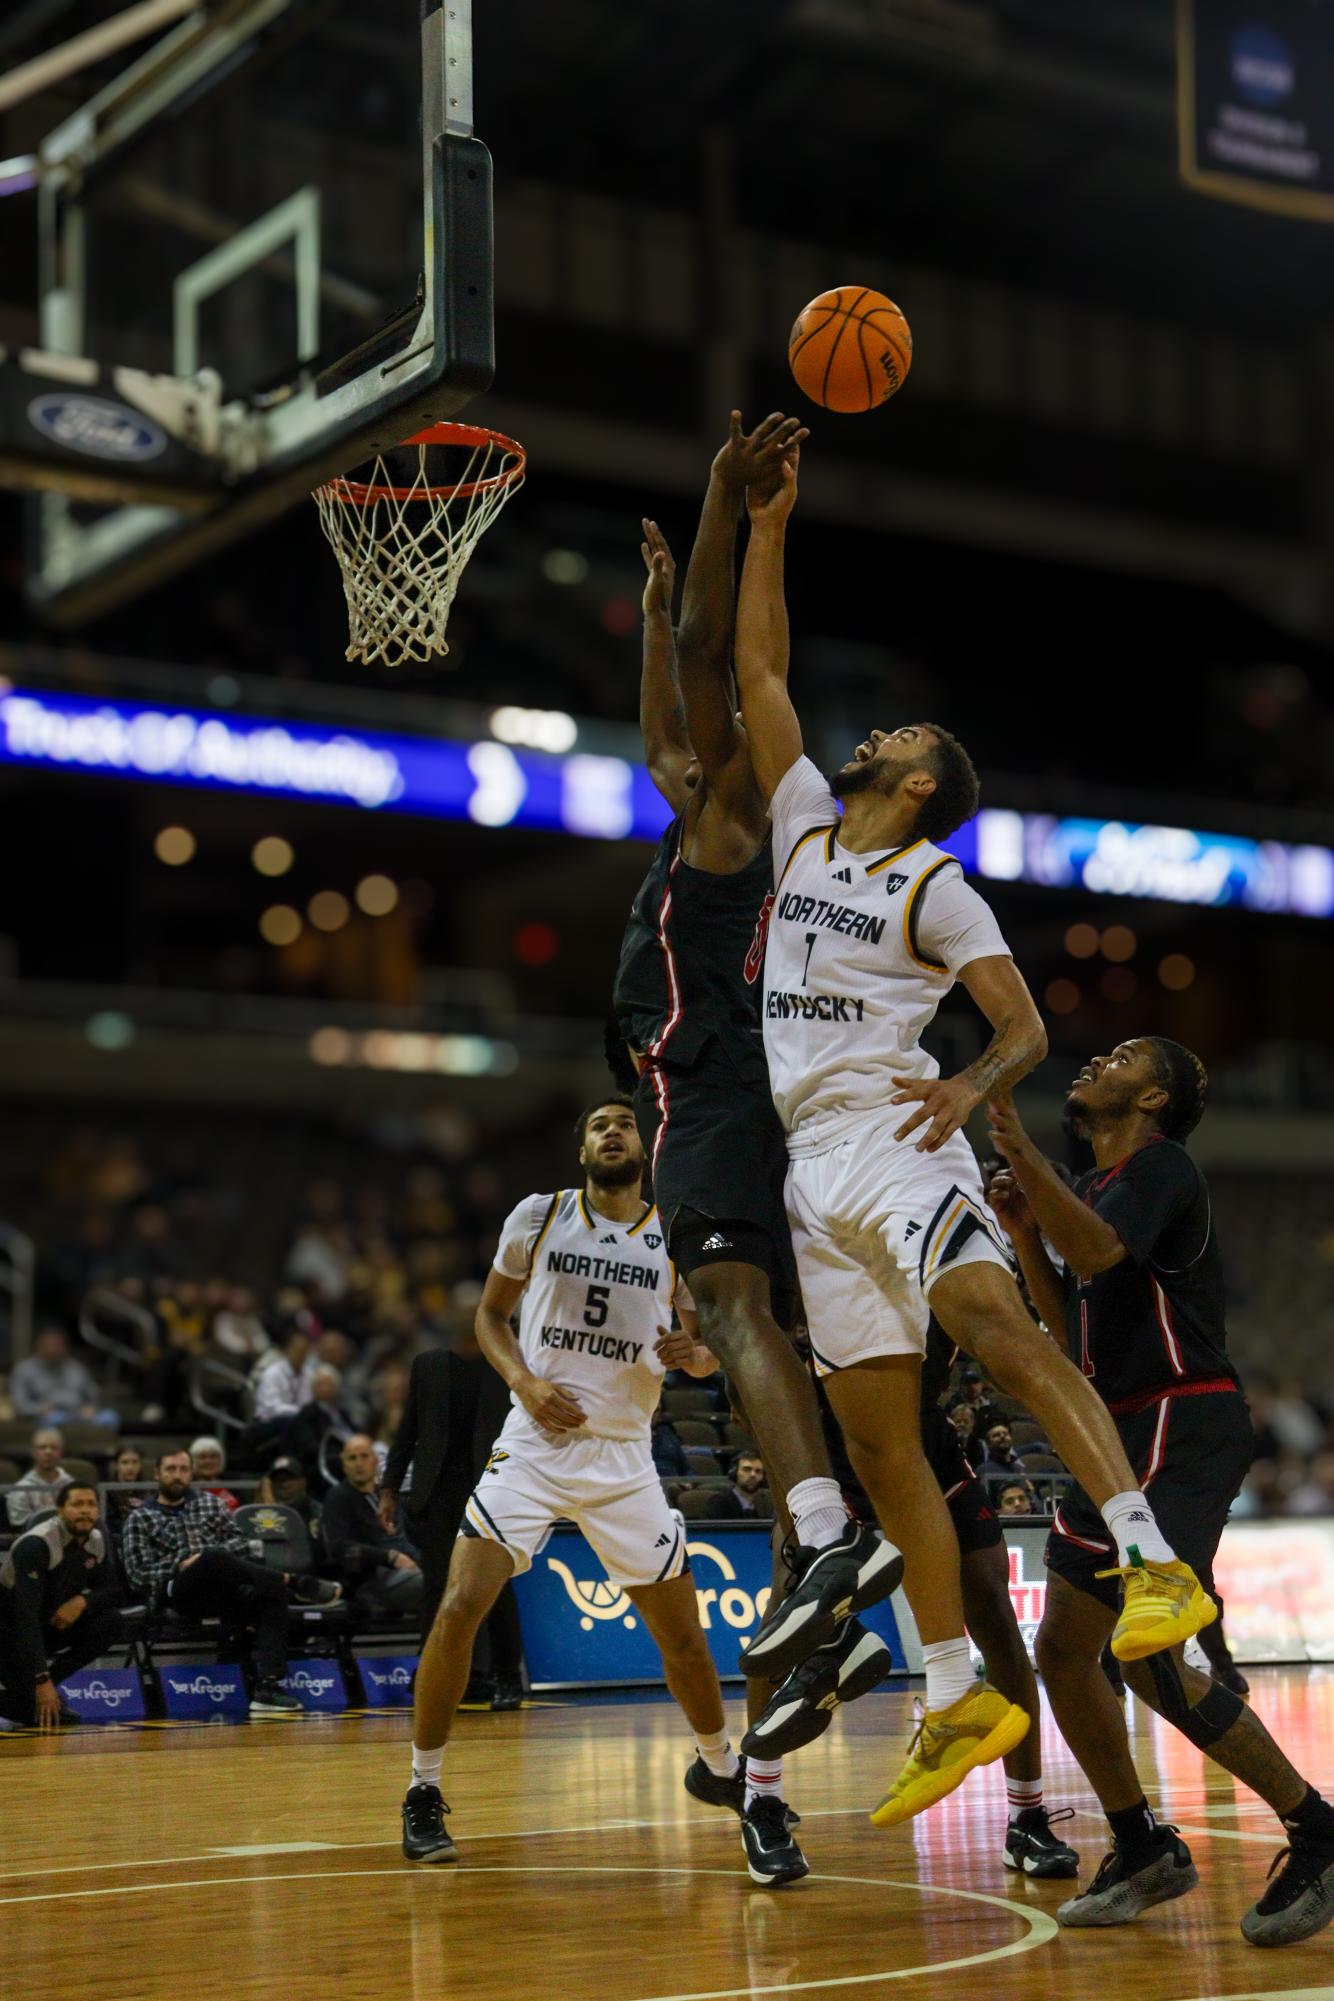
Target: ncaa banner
{"x":205,"y":1693}
{"x":1255,"y":102}
{"x":387,"y":1679}
{"x":579,"y":1630}
{"x":316,"y":1684}
{"x":105,"y":1695}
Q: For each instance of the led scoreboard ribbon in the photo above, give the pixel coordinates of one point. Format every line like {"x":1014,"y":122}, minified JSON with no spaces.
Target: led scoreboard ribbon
{"x":610,"y":798}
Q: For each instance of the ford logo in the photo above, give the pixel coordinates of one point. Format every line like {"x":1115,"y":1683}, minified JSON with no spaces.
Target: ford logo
{"x":91,"y":424}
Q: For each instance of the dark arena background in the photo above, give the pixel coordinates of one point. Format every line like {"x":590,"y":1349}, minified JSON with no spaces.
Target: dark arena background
{"x":306,"y":959}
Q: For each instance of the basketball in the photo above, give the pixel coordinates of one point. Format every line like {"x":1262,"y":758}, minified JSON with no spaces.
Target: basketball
{"x":850,"y":349}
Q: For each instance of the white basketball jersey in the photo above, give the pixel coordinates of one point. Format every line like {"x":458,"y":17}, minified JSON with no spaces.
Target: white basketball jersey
{"x":599,"y":1295}
{"x":859,"y":958}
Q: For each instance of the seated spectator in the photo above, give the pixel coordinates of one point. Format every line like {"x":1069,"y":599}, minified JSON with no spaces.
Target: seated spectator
{"x":238,"y":1332}
{"x":59,"y":1608}
{"x":747,"y":1499}
{"x":322,"y":1416}
{"x":972,"y":1394}
{"x":209,"y":1460}
{"x":669,"y":1455}
{"x":1018,"y":1498}
{"x":183,"y":1548}
{"x":40,"y":1484}
{"x":286,"y":1485}
{"x":1002,"y":1462}
{"x":333,"y":1350}
{"x":277,"y":1377}
{"x":378,"y":1565}
{"x":961,"y":1417}
{"x":127,"y":1466}
{"x":52,"y":1385}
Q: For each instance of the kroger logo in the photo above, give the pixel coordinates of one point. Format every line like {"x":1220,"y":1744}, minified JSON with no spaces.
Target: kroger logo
{"x":1262,"y":67}
{"x":110,"y":1698}
{"x":216,"y":1691}
{"x":308,"y":1683}
{"x":594,"y":1598}
{"x":398,"y":1677}
{"x":91,"y":424}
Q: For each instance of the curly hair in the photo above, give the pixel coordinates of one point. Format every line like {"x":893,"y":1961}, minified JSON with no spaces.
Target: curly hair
{"x":957,"y":788}
{"x":1178,"y":1071}
{"x":612,"y":1098}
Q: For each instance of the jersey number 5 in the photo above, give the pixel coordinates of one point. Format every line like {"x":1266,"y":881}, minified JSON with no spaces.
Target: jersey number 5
{"x":595,"y":1306}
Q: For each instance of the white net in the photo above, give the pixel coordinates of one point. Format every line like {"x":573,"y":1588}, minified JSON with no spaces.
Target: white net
{"x":404,"y":535}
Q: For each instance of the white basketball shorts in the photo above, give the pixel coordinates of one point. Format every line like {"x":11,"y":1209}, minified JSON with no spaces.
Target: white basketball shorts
{"x":874,"y":1225}
{"x":607,"y":1486}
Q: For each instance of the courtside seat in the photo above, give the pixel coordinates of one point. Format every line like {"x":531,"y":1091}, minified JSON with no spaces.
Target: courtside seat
{"x":686,"y":1403}
{"x":696,"y":1431}
{"x":698,"y":1504}
{"x":1026,"y":1431}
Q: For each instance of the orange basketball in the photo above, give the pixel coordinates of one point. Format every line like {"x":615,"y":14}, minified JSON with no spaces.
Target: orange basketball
{"x":850,"y":348}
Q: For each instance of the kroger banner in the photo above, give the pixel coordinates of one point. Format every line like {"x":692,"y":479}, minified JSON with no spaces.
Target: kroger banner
{"x":205,"y":1693}
{"x":1255,"y":87}
{"x":316,"y":1684}
{"x":105,"y":1695}
{"x":578,"y":1629}
{"x":387,"y":1679}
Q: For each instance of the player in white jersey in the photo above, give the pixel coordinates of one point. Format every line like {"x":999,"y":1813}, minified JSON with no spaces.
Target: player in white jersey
{"x":589,"y":1272}
{"x":871,"y":924}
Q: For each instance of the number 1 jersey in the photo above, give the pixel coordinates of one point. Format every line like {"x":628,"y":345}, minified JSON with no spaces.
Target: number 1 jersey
{"x":599,"y":1294}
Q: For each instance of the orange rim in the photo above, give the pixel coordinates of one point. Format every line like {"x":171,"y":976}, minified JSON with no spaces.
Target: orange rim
{"x":353,"y":493}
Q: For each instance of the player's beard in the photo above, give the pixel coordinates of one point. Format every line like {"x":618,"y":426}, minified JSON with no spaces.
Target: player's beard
{"x":616,"y":1173}
{"x":875,"y":775}
{"x":1083,"y":1120}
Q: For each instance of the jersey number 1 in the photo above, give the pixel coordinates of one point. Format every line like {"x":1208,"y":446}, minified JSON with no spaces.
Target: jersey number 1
{"x":811,"y":937}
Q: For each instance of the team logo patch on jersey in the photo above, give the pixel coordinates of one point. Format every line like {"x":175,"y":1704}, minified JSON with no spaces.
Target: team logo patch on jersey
{"x":894,"y":883}
{"x":654,"y":1243}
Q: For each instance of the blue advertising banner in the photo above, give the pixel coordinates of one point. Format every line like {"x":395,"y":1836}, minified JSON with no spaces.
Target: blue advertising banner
{"x":105,"y":1695}
{"x":387,"y":1679}
{"x":1255,"y":89}
{"x":205,"y":1692}
{"x":316,"y":1684}
{"x":578,"y":1629}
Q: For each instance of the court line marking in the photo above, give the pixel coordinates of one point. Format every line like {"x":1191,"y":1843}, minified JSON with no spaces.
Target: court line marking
{"x":1041,"y":1928}
{"x":1270,"y":1994}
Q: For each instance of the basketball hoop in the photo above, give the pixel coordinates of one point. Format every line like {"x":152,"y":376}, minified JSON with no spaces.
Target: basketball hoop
{"x":404,"y":536}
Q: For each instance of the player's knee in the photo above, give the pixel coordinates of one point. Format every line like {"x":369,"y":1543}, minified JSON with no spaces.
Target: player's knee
{"x":735,"y":1329}
{"x":1056,"y":1651}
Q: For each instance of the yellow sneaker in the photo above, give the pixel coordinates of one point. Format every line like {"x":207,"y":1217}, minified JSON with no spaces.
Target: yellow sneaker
{"x":1164,"y":1604}
{"x":949,"y":1743}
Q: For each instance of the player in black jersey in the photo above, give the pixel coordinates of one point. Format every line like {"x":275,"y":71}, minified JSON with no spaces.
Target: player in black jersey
{"x":1141,"y":1305}
{"x":686,"y":1003}
{"x":855,"y":1660}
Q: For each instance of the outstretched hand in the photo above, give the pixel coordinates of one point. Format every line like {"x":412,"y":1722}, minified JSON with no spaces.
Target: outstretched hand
{"x":661,"y":567}
{"x":1010,"y":1204}
{"x":769,"y":505}
{"x":747,"y":462}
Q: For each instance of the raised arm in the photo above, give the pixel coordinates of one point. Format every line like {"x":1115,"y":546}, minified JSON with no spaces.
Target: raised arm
{"x":772,"y":730}
{"x":1086,"y":1241}
{"x":662,"y":720}
{"x":1046,"y":1288}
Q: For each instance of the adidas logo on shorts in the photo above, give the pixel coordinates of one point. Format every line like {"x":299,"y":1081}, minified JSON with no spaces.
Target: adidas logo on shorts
{"x":717,"y":1243}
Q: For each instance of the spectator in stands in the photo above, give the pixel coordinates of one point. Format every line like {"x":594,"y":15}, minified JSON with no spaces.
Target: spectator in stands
{"x":288,"y":1486}
{"x":334,"y":1351}
{"x":277,"y":1377}
{"x":183,"y":1547}
{"x":1002,"y":1462}
{"x":379,"y":1565}
{"x":59,"y":1608}
{"x":322,"y":1416}
{"x":53,"y":1385}
{"x":237,"y":1331}
{"x":972,"y":1393}
{"x":128,"y":1466}
{"x":961,"y":1417}
{"x":1017,"y":1498}
{"x":669,"y":1455}
{"x":45,"y":1477}
{"x":1315,"y":1495}
{"x":209,"y":1459}
{"x":747,"y":1499}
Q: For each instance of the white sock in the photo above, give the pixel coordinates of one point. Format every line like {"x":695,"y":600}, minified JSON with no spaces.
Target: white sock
{"x":764,"y":1779}
{"x":1130,"y":1519}
{"x":950,"y":1674}
{"x":818,"y":1514}
{"x":426,"y":1766}
{"x":718,"y":1754}
{"x":1022,"y":1794}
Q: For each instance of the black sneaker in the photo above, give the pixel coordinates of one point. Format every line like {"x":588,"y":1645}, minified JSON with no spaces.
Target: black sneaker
{"x":271,"y":1699}
{"x":858,"y":1570}
{"x":707,"y":1786}
{"x":1230,"y":1677}
{"x":316,"y":1591}
{"x":1129,"y":1882}
{"x":772,"y":1856}
{"x":425,"y":1836}
{"x":479,"y":1693}
{"x":1032,"y":1848}
{"x":854,"y":1662}
{"x":508,"y":1692}
{"x":1299,"y":1900}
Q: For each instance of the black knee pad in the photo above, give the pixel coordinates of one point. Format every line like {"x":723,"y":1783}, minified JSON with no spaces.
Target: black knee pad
{"x":1212,"y":1717}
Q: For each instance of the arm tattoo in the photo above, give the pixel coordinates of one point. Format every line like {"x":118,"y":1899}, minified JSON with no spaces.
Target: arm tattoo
{"x":1000,"y":1063}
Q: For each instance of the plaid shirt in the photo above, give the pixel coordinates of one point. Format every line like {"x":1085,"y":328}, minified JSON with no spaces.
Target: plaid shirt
{"x":156,"y":1538}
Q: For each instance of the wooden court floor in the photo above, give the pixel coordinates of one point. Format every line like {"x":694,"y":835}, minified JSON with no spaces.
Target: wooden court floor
{"x":262,"y":1860}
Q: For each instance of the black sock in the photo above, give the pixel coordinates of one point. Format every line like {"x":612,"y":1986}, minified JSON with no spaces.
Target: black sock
{"x":1314,"y":1818}
{"x":1134,"y":1827}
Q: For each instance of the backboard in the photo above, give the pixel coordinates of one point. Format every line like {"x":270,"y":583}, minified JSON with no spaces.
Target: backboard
{"x":265,"y":254}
